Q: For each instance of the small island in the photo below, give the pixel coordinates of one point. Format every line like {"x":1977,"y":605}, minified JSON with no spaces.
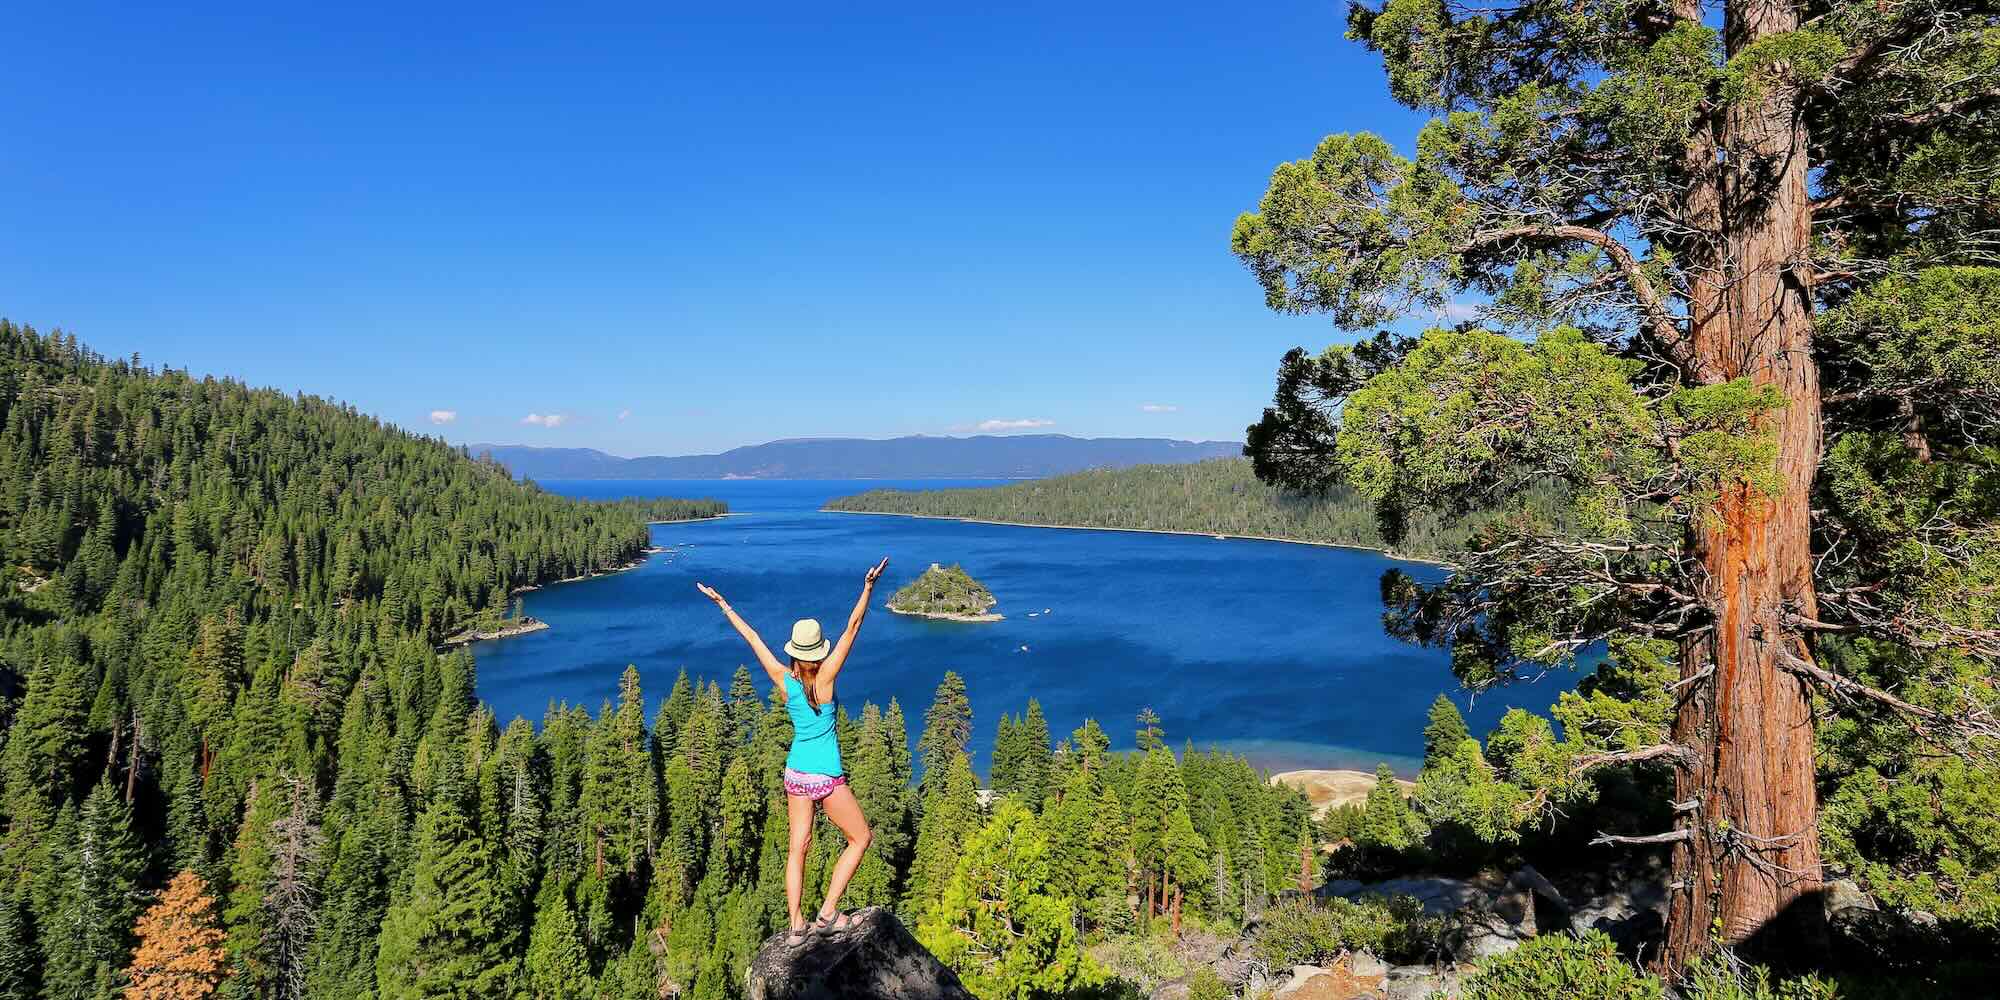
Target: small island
{"x":946,"y":592}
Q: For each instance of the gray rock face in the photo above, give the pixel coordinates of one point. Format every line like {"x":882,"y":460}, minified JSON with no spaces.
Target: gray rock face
{"x":1439,"y":896}
{"x":1628,"y":913}
{"x":1416,"y":982}
{"x":1845,"y":895}
{"x":1365,"y":964}
{"x":873,"y":959}
{"x":1489,"y":915}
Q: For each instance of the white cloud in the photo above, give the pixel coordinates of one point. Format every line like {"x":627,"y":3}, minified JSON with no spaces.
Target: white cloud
{"x":1459,"y":312}
{"x":1158,"y":408}
{"x":1024,"y":424}
{"x":545,"y":419}
{"x":443,"y":416}
{"x":622,"y":414}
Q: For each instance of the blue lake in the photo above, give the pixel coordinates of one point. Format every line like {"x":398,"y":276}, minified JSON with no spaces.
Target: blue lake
{"x":1269,"y":649}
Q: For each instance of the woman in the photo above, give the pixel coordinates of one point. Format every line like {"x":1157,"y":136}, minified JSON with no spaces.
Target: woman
{"x":812,"y":768}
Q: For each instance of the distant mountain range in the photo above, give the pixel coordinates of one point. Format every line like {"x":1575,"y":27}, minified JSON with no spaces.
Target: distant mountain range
{"x":917,"y":457}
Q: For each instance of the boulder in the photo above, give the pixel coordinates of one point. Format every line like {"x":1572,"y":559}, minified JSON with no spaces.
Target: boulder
{"x":1365,"y":964}
{"x":1545,"y":891}
{"x":1487,"y":916}
{"x":875,"y":958}
{"x":1438,"y":896}
{"x":1844,"y":895}
{"x":1416,"y":982}
{"x":1633,"y":911}
{"x":1494,"y":926}
{"x":1338,"y":982}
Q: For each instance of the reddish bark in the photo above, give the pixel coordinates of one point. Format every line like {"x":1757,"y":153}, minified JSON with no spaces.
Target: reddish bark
{"x":1754,"y":853}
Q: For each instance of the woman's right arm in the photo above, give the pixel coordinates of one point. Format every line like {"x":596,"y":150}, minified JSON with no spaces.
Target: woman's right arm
{"x":772,"y":668}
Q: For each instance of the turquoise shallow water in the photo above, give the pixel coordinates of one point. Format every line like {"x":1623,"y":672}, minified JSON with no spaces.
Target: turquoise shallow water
{"x":1270,"y":649}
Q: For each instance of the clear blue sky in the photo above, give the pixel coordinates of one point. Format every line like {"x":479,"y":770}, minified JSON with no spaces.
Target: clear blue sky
{"x":677,"y":230}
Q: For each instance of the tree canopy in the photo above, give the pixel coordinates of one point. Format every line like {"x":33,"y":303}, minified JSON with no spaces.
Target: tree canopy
{"x":1732,"y":271}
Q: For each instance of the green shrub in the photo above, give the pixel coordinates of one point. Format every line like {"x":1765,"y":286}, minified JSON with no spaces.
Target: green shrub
{"x":1204,"y":984}
{"x":1721,"y":977}
{"x":1585,"y":967}
{"x":1302,"y":932}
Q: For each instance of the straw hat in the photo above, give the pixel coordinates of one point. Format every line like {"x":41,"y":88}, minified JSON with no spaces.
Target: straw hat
{"x":808,"y":642}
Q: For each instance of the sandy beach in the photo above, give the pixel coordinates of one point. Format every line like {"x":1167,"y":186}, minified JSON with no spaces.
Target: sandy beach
{"x":1328,"y":789}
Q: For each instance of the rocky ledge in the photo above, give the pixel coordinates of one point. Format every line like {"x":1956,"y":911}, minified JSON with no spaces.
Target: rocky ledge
{"x":875,"y":958}
{"x":519,"y":626}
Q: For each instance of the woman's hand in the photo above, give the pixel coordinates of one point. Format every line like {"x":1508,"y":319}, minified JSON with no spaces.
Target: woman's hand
{"x":709,"y":592}
{"x":875,"y":573}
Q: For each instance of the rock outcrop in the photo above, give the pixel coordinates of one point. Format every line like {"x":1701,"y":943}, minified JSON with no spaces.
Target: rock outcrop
{"x":875,"y":958}
{"x":1338,"y":981}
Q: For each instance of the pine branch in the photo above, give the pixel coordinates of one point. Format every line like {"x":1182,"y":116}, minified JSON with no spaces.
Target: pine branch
{"x":1659,"y":320}
{"x":1670,"y":837}
{"x":1678,"y":754}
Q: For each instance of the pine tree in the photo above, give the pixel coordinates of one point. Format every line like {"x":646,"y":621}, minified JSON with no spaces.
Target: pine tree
{"x":344,"y":951}
{"x":673,"y":714}
{"x":1739,"y":236}
{"x":557,"y":967}
{"x":1149,"y":736}
{"x":20,"y":959}
{"x":1005,"y":773}
{"x":1002,"y":922}
{"x":1157,"y":797}
{"x":291,"y":897}
{"x":180,"y":954}
{"x":869,"y":770}
{"x":446,"y":939}
{"x":1087,"y":848}
{"x":947,"y":729}
{"x":1444,"y":731}
{"x":89,"y":939}
{"x":950,"y":817}
{"x":248,"y":876}
{"x":45,"y":740}
{"x":1036,"y":758}
{"x":1388,"y":823}
{"x":744,"y":708}
{"x":741,"y":824}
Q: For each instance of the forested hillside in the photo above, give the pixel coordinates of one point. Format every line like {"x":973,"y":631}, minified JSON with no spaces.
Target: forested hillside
{"x":235,"y":760}
{"x":1218,"y":496}
{"x":916,"y":456}
{"x":218,"y":607}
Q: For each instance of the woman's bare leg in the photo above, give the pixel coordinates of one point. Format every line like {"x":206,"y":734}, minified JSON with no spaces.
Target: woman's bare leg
{"x":799,"y":810}
{"x":845,"y":814}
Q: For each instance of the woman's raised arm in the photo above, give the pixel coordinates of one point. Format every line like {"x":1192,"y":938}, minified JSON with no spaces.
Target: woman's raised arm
{"x":824,"y":679}
{"x":772,"y":667}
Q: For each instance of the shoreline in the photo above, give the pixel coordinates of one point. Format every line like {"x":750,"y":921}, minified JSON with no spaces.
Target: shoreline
{"x":1220,"y":536}
{"x":945,"y":616}
{"x":522,"y":626}
{"x":692,"y":520}
{"x":644,"y":554}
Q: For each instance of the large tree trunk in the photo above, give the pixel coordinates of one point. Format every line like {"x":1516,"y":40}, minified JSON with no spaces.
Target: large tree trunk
{"x":1749,"y":870}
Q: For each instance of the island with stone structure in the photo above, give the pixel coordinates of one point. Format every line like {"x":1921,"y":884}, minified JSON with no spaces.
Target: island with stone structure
{"x":946,"y":592}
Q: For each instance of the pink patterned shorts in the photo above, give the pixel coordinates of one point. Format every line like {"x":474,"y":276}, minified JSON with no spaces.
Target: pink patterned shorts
{"x":812,"y":786}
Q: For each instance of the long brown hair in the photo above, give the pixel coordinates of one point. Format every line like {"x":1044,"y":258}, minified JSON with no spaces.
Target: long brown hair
{"x":804,"y":671}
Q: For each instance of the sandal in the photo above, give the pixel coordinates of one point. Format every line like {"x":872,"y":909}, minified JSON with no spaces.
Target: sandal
{"x":798,"y":934}
{"x":822,"y":922}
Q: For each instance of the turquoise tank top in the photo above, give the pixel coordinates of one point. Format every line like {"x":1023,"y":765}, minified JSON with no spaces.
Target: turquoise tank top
{"x":815,"y":747}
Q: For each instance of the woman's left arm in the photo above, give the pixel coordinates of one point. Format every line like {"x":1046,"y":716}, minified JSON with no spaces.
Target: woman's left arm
{"x":831,"y":667}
